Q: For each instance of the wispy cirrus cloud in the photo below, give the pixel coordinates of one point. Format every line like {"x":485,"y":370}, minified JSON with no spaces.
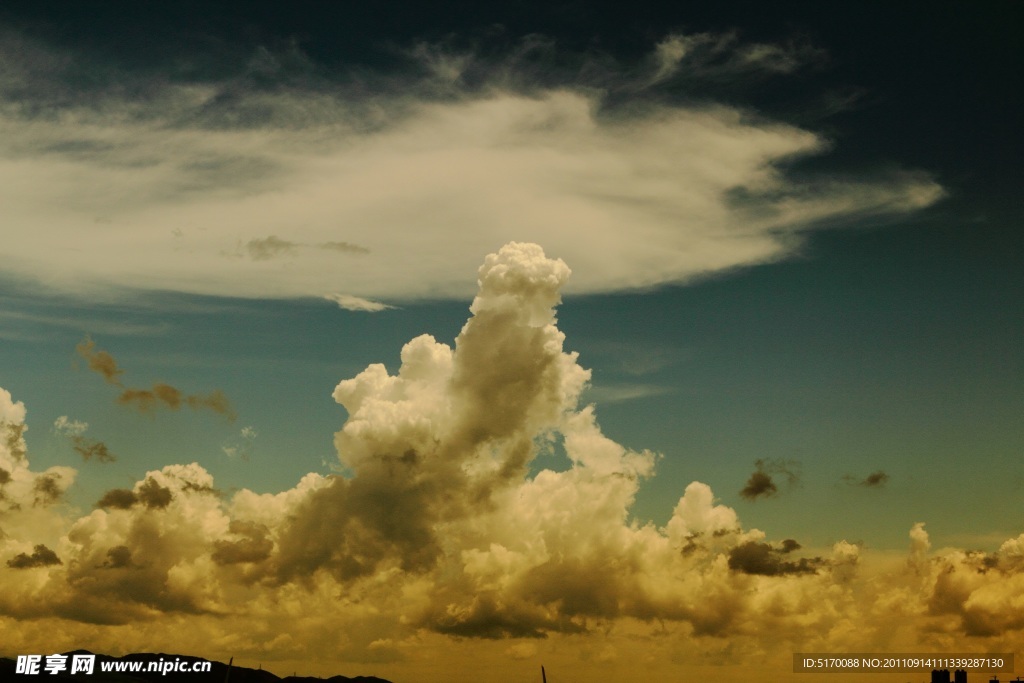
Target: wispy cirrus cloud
{"x":715,"y":56}
{"x":617,"y":393}
{"x":26,"y":319}
{"x":163,"y":185}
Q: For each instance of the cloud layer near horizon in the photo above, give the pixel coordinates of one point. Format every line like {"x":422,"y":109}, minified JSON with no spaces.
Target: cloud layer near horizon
{"x":440,"y":532}
{"x":384,"y":188}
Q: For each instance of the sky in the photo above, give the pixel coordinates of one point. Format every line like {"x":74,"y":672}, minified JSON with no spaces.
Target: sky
{"x":440,"y":341}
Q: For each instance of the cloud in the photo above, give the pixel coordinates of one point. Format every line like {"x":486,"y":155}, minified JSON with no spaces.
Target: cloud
{"x":415,"y":176}
{"x":269,"y":247}
{"x":71,"y":321}
{"x":876,"y":479}
{"x":47,"y":489}
{"x":89,"y":449}
{"x":762,"y":483}
{"x":759,"y":484}
{"x":266,"y":248}
{"x":118,"y":499}
{"x":765,"y":560}
{"x":41,"y":557}
{"x":215,"y":401}
{"x":253,"y":544}
{"x":723,"y":57}
{"x":355,"y":303}
{"x":149,"y":492}
{"x":15,"y":440}
{"x":442,"y":531}
{"x":242,"y":446}
{"x":118,"y":557}
{"x":522,"y":651}
{"x":343,"y":247}
{"x":618,"y":393}
{"x":152,"y":495}
{"x":24,"y":491}
{"x":145,"y":400}
{"x":669,"y":53}
{"x":166,"y":396}
{"x":71,"y":428}
{"x":100,"y":362}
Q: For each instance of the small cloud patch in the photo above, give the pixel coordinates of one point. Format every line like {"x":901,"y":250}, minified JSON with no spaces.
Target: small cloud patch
{"x":355,"y":303}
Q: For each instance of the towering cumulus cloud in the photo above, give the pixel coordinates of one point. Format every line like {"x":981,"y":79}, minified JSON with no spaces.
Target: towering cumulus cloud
{"x":442,"y":534}
{"x":437,"y":443}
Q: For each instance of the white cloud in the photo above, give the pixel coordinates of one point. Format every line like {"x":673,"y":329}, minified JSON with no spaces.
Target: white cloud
{"x":618,"y":393}
{"x":240,"y":447}
{"x":355,"y":303}
{"x":148,"y":194}
{"x":67,"y":427}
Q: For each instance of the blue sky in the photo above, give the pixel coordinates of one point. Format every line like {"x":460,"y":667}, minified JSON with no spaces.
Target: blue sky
{"x":796,"y":279}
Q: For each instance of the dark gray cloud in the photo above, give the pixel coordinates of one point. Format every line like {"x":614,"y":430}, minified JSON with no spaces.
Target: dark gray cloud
{"x":252,"y":546}
{"x":759,"y":484}
{"x":876,"y":479}
{"x":344,"y":247}
{"x":153,"y":495}
{"x":762,"y":482}
{"x":489,"y":618}
{"x":118,"y":499}
{"x":350,"y":526}
{"x":41,"y":557}
{"x":269,"y":247}
{"x":13,"y":439}
{"x":765,"y":560}
{"x":47,"y":489}
{"x":118,"y":557}
{"x":789,"y":545}
{"x":692,"y":545}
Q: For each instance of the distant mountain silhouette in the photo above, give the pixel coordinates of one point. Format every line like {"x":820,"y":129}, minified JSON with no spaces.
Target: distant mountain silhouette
{"x":217,"y":674}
